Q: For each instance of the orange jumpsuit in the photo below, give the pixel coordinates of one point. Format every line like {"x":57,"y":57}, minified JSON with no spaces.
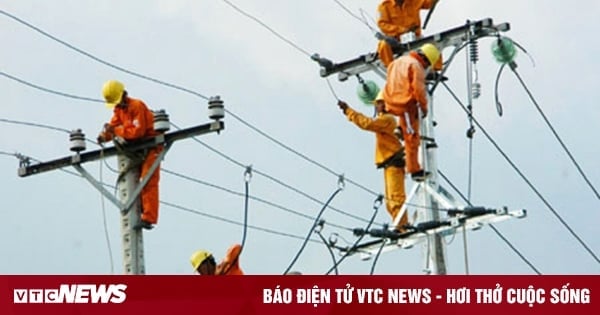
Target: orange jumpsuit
{"x":386,"y":146}
{"x":230,"y":265}
{"x":404,"y":93}
{"x":396,"y":20}
{"x":133,"y":122}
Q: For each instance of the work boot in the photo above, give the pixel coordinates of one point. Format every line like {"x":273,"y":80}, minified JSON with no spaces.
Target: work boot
{"x":143,"y":225}
{"x":420,"y":176}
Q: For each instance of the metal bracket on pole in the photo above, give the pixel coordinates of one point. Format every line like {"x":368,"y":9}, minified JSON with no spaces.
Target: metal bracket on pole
{"x":452,"y":37}
{"x":472,"y":220}
{"x":97,"y":185}
{"x":138,"y":189}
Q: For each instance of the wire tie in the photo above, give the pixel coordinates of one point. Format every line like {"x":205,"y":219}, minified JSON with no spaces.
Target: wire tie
{"x":378,"y":201}
{"x":341,"y":181}
{"x":248,"y":173}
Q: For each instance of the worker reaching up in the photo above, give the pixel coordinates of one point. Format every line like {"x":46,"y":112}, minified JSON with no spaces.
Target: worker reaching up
{"x":399,"y":17}
{"x":405,"y":94}
{"x":389,"y":154}
{"x":204,"y":262}
{"x":132,"y":120}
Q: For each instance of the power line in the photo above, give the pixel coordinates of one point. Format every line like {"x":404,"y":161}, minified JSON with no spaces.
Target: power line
{"x":512,"y":164}
{"x":203,"y":182}
{"x":105,"y":224}
{"x":91,"y":56}
{"x":257,"y":20}
{"x":327,"y":169}
{"x":312,"y":228}
{"x":362,"y":20}
{"x":514,"y":249}
{"x":273,"y":179}
{"x":41,"y":88}
{"x":236,"y":193}
{"x":183,"y":89}
{"x":109,"y":247}
{"x":190,"y":210}
{"x":564,"y":146}
{"x":37,"y":125}
{"x":215,"y":217}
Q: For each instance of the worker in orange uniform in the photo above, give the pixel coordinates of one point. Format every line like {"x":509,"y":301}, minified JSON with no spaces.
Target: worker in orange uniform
{"x":132,"y":120}
{"x":389,"y":154}
{"x":398,"y":17}
{"x":204,"y":263}
{"x":405,"y":94}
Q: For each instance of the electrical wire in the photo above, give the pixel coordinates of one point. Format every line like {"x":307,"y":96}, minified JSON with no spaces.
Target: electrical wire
{"x":25,"y":123}
{"x":204,"y":183}
{"x":376,"y":205}
{"x":311,"y":231}
{"x":93,"y":57}
{"x":38,"y":125}
{"x":327,"y":245}
{"x":563,"y":145}
{"x":362,"y":20}
{"x":512,"y":164}
{"x":104,"y":223}
{"x":233,"y":192}
{"x":306,"y":158}
{"x":273,"y":179}
{"x":263,"y":24}
{"x":510,"y":245}
{"x":109,"y":247}
{"x":182,"y":208}
{"x":247,"y":177}
{"x":41,"y":88}
{"x":183,"y":89}
{"x":218,"y":218}
{"x":331,"y":89}
{"x":377,"y":256}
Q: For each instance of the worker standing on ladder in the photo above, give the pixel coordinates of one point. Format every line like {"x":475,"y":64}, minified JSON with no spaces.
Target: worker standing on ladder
{"x":389,"y":154}
{"x":132,"y":120}
{"x":204,"y":262}
{"x":405,"y":94}
{"x":397,"y":18}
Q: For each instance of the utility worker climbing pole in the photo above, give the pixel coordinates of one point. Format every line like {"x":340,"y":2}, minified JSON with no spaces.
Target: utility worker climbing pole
{"x":204,"y":263}
{"x":405,"y":94}
{"x":132,"y":120}
{"x":399,"y":17}
{"x":389,"y":154}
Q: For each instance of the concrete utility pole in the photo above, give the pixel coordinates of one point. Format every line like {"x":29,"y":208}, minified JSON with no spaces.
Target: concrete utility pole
{"x":431,"y":227}
{"x":129,"y":185}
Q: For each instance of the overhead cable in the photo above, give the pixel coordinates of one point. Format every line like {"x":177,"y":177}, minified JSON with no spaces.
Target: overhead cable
{"x":510,"y":245}
{"x":183,"y":89}
{"x":520,"y":173}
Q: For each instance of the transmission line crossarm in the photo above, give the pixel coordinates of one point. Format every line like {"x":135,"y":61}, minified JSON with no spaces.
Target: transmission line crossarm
{"x":129,"y":186}
{"x":112,"y":151}
{"x":444,"y":39}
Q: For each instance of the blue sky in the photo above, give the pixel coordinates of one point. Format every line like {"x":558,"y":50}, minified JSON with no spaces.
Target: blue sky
{"x":53,"y":222}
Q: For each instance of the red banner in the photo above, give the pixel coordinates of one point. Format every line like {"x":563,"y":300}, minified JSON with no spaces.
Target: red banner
{"x":291,"y":295}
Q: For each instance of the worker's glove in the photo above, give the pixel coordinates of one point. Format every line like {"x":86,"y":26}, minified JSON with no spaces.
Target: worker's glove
{"x":343,"y":106}
{"x":109,"y":129}
{"x":101,"y":138}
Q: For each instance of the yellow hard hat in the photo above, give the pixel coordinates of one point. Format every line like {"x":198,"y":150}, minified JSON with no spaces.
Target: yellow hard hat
{"x":431,"y":52}
{"x":199,"y":257}
{"x":379,"y":97}
{"x":113,"y":92}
